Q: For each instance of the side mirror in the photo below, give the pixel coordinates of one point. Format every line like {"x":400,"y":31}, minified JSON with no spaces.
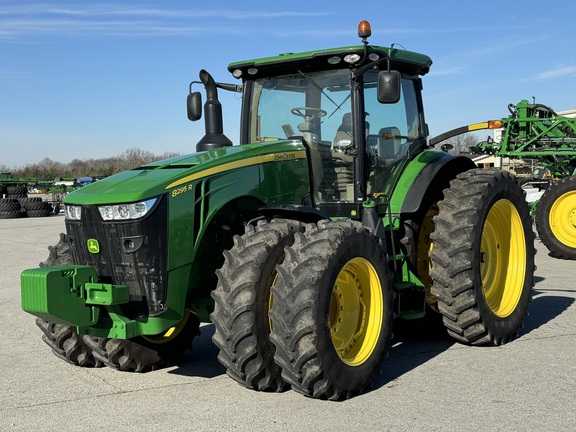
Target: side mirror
{"x":194,"y":106}
{"x":446,"y":147}
{"x":389,"y":87}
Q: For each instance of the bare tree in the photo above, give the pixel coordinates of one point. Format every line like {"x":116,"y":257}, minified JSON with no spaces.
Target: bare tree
{"x":47,"y":169}
{"x":459,"y":144}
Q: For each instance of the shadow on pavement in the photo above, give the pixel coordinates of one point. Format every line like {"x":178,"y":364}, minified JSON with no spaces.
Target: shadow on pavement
{"x":545,"y":306}
{"x":415,"y":342}
{"x":202,"y":360}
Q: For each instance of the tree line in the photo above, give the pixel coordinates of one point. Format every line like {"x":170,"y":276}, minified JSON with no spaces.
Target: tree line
{"x":48,"y":169}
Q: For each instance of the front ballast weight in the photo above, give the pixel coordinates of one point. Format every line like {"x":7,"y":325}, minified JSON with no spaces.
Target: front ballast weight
{"x":77,"y":292}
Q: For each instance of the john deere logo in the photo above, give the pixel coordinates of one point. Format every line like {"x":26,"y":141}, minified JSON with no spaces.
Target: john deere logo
{"x":93,"y":246}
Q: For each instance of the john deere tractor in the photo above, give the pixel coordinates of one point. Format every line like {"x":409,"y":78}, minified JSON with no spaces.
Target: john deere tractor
{"x":330,"y":218}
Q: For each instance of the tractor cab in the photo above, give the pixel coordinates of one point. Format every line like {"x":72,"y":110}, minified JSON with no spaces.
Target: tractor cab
{"x":357,"y":109}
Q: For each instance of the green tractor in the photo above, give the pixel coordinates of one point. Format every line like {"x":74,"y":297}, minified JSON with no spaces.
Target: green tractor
{"x":301,"y":244}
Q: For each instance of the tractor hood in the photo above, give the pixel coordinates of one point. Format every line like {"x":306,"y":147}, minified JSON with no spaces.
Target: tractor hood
{"x":160,"y":177}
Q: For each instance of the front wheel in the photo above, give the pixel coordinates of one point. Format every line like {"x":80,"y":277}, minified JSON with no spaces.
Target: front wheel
{"x":332,"y":311}
{"x":556,"y":218}
{"x":67,"y":344}
{"x":61,"y":338}
{"x":483,"y":257}
{"x":145,"y":353}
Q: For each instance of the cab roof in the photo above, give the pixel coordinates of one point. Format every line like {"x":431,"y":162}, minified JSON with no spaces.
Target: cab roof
{"x":333,"y":58}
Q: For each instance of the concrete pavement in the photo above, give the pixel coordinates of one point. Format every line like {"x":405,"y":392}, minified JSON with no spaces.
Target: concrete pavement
{"x":429,"y":383}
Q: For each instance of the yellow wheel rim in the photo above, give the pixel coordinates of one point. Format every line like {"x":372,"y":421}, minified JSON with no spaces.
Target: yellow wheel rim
{"x":503,"y":258}
{"x":171,"y":333}
{"x":425,"y":245}
{"x":563,"y":219}
{"x":271,"y":302}
{"x":356,"y":311}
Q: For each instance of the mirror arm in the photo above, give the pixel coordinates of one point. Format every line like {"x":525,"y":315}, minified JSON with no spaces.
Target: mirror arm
{"x":356,"y":73}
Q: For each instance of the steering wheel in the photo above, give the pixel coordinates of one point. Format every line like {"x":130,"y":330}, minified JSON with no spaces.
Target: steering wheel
{"x":303,"y":112}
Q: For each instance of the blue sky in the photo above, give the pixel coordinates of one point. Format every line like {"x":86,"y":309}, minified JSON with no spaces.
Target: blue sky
{"x":90,"y":79}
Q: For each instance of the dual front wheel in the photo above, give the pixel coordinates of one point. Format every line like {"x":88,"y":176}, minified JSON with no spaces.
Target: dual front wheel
{"x":307,"y":307}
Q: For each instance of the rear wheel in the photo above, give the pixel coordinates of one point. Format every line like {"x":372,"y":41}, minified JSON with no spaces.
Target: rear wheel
{"x":242,"y":301}
{"x":332,"y":310}
{"x":483,"y":257}
{"x":145,"y":353}
{"x":556,"y":218}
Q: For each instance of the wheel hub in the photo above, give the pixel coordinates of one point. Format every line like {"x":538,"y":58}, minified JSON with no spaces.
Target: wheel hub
{"x":563,"y":219}
{"x":356,"y":311}
{"x":503,"y":258}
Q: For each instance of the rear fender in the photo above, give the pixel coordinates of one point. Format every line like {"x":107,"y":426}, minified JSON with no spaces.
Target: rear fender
{"x":429,"y":173}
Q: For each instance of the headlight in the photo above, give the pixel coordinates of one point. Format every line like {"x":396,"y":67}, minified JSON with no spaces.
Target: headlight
{"x":73,"y":212}
{"x":126,"y":211}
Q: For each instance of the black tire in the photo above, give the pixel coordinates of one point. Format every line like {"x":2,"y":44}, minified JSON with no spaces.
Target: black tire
{"x":59,"y":254}
{"x":19,"y":191}
{"x":143,"y":354}
{"x":9,"y":204}
{"x":35,"y":203}
{"x":483,"y":257}
{"x":332,"y":311}
{"x":12,"y":214}
{"x":38,"y":213}
{"x":242,"y":301}
{"x":63,"y":339}
{"x":416,"y":240}
{"x":29,"y":200}
{"x":67,"y":344}
{"x":556,"y":218}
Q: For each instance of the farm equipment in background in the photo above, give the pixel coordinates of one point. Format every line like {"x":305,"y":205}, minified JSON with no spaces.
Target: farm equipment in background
{"x":300,"y":244}
{"x":14,"y":199}
{"x":535,"y":131}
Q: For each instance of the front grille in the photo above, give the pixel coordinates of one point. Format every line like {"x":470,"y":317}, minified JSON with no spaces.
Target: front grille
{"x":132,"y":253}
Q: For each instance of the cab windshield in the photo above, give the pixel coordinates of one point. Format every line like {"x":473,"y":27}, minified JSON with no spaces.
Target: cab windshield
{"x":316,"y":106}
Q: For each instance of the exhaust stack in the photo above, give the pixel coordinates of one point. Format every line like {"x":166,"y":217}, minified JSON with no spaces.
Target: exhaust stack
{"x":214,"y":137}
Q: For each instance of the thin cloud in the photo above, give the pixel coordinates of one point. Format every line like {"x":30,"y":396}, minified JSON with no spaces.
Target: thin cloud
{"x":447,"y":71}
{"x":557,"y":72}
{"x":111,"y":28}
{"x":21,"y":22}
{"x":132,"y":11}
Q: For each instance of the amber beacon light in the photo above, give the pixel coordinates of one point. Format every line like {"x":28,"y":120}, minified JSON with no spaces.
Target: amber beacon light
{"x":364,"y":29}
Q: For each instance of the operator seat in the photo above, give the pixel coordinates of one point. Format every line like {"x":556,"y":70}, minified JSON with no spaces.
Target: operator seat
{"x":343,"y":138}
